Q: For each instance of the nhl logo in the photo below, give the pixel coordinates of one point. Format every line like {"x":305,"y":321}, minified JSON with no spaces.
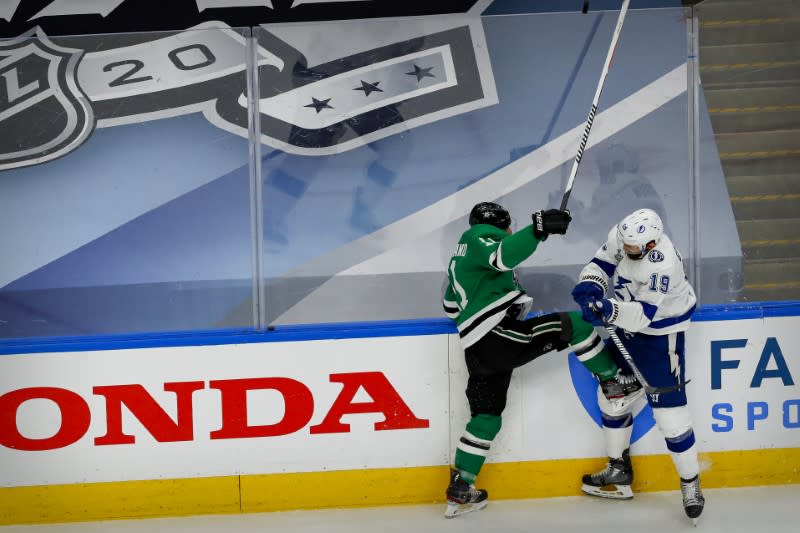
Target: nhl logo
{"x":52,"y":96}
{"x":43,"y":112}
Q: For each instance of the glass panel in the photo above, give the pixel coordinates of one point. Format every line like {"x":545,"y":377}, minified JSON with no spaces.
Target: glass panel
{"x":124,"y":184}
{"x":378,"y":138}
{"x":750,"y":71}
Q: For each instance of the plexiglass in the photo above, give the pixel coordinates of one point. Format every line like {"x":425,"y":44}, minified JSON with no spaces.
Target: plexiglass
{"x":142,"y":190}
{"x":124,"y":189}
{"x":378,"y":138}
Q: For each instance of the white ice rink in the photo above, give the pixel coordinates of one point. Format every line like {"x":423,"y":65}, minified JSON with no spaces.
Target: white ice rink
{"x":750,"y":510}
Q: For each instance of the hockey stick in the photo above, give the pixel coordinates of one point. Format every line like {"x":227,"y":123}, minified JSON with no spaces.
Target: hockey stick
{"x":595,"y":101}
{"x":649,"y":389}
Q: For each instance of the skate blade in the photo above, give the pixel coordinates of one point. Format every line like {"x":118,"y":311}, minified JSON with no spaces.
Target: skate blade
{"x":456,"y":509}
{"x":613,"y":492}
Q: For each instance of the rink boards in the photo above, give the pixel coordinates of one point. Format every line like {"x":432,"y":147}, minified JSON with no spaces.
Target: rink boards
{"x":348,"y":418}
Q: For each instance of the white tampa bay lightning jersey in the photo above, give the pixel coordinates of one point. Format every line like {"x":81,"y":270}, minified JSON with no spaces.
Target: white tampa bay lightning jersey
{"x":653,"y":294}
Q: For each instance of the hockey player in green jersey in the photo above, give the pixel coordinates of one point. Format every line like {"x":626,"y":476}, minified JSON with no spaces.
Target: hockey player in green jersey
{"x":490,"y":308}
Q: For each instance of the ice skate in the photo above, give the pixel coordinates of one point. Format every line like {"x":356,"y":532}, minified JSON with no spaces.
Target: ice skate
{"x":693,"y":500}
{"x":613,"y":482}
{"x":463,"y":497}
{"x":622,"y":390}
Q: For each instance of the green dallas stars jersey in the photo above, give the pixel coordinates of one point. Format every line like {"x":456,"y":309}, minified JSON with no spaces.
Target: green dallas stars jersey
{"x":481,"y":281}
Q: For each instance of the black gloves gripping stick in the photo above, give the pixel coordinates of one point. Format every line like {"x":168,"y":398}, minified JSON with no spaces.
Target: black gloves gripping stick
{"x":550,"y":221}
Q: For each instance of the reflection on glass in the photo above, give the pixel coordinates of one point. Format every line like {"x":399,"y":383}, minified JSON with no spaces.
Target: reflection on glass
{"x":128,"y":197}
{"x":378,"y":138}
{"x":619,"y":184}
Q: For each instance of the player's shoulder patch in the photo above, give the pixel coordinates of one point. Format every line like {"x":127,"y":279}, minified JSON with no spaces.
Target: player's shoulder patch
{"x":655,"y":256}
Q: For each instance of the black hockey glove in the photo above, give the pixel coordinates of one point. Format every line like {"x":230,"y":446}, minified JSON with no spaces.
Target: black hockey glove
{"x":550,"y":221}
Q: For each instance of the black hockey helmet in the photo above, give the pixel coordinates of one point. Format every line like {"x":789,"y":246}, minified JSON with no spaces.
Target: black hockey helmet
{"x":490,"y":213}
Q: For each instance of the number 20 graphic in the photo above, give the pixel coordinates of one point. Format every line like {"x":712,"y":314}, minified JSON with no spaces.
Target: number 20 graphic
{"x":174,"y":56}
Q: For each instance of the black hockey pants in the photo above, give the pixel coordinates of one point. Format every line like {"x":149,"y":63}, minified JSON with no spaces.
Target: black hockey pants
{"x":511,"y":344}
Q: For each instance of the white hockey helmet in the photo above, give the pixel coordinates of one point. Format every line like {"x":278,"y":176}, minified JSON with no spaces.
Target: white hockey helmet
{"x":640,"y":228}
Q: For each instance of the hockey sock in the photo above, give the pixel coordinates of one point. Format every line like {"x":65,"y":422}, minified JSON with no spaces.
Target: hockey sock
{"x":617,"y":425}
{"x":676,"y":426}
{"x":473,"y":447}
{"x":685,"y":461}
{"x":617,"y":435}
{"x":590,"y":348}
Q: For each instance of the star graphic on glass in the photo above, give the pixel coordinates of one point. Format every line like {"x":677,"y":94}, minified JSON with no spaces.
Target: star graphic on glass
{"x":368,"y":87}
{"x":319,"y":105}
{"x":421,"y":73}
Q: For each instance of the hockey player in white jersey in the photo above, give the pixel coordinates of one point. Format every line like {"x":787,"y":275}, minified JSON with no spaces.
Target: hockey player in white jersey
{"x":636,"y":282}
